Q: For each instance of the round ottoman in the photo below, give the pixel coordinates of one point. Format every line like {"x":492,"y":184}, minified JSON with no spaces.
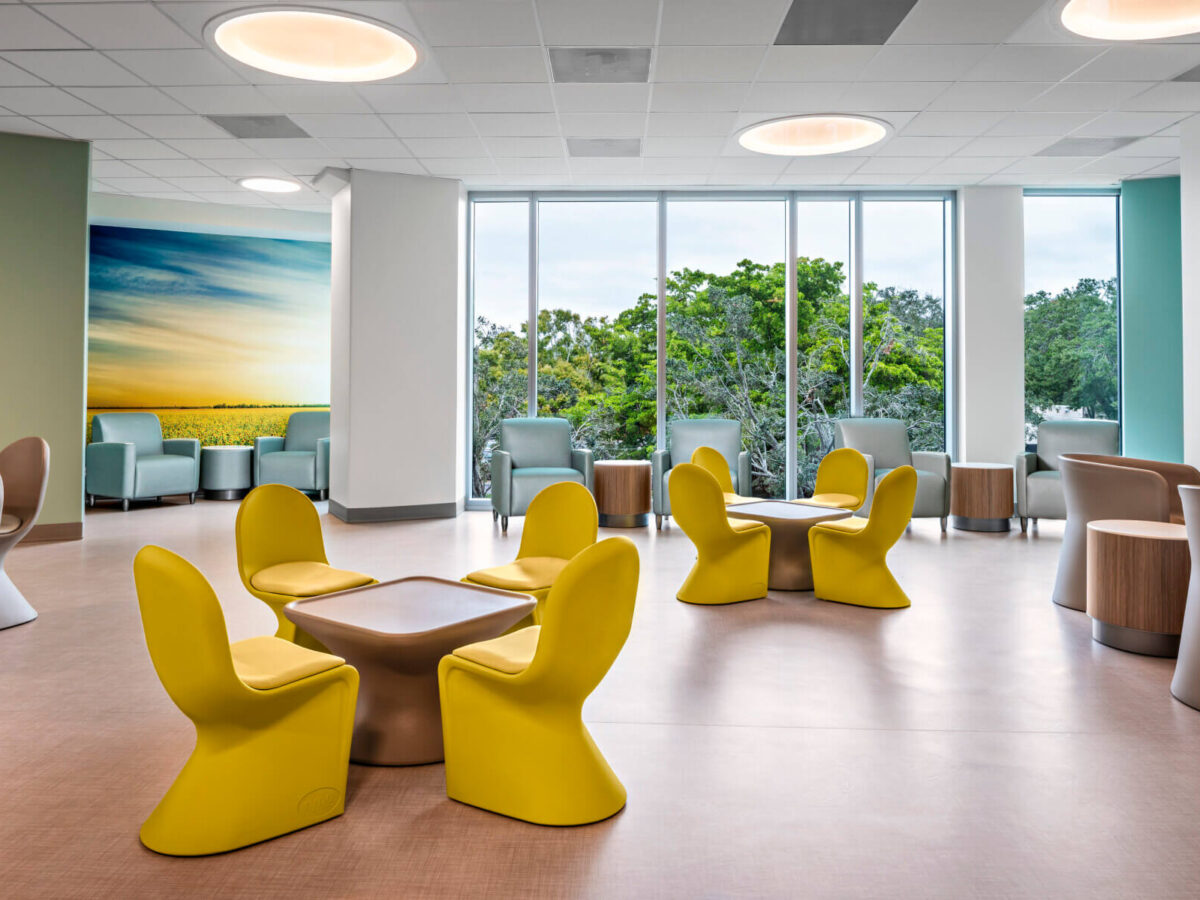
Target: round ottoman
{"x":226,"y":472}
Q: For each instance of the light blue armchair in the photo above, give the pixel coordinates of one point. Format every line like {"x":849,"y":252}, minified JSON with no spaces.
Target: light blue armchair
{"x":683,"y":437}
{"x":533,"y":454}
{"x":884,"y":442}
{"x":129,"y":460}
{"x":300,"y":459}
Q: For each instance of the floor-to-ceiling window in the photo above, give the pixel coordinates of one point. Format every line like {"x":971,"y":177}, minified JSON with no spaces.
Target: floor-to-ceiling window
{"x":1071,"y":307}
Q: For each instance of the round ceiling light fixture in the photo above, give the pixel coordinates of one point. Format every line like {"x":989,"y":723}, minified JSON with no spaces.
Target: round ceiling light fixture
{"x":270,"y":185}
{"x":1131,"y":20}
{"x":813,"y":135}
{"x":313,"y":44}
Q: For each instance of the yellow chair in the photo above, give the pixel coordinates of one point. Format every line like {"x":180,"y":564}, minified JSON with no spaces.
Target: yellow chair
{"x":281,"y":555}
{"x":560,"y":522}
{"x":849,"y":556}
{"x":273,"y":720}
{"x":842,"y":480}
{"x":512,"y":707}
{"x":732,"y":555}
{"x":714,"y":463}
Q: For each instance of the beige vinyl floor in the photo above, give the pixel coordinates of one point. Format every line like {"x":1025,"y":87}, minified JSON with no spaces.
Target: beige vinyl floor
{"x":978,"y":744}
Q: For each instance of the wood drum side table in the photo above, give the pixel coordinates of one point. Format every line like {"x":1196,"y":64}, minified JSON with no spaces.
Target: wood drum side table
{"x":1137,"y":581}
{"x":623,"y":492}
{"x":981,"y":496}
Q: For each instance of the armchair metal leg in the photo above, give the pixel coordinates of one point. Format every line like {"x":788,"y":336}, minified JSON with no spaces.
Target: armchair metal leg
{"x":125,"y":505}
{"x":943,"y":524}
{"x":1034,"y":520}
{"x":1024,"y":523}
{"x":504,"y":524}
{"x":91,"y":499}
{"x":192,"y":497}
{"x":658,"y":522}
{"x":495,"y":514}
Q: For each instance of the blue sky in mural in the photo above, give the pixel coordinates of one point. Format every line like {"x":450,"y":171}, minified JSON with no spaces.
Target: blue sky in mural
{"x":190,"y":319}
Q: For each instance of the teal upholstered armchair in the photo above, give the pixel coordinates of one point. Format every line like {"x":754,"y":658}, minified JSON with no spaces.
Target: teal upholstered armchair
{"x":300,"y":459}
{"x":129,"y":460}
{"x":884,"y":442}
{"x":1038,"y":477}
{"x":532,"y":454}
{"x":683,"y":437}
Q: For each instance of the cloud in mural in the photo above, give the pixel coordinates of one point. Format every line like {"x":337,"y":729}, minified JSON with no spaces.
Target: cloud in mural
{"x":190,"y":319}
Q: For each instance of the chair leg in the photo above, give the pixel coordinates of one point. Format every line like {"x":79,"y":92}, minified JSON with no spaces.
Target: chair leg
{"x":495,"y":514}
{"x":1034,"y":520}
{"x":943,"y":524}
{"x":658,"y":522}
{"x":125,"y":505}
{"x":504,"y":524}
{"x":91,"y":499}
{"x":1024,"y":524}
{"x":192,"y":497}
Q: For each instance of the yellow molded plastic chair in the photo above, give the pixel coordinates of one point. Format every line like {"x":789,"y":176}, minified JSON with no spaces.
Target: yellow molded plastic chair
{"x":715,"y":464}
{"x":842,"y":480}
{"x":281,"y":555}
{"x":560,"y":522}
{"x":273,"y":720}
{"x":732,"y":555}
{"x":512,"y":707}
{"x":849,"y":556}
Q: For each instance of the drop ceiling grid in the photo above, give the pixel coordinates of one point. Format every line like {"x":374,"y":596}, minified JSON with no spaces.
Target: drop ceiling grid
{"x":136,"y":77}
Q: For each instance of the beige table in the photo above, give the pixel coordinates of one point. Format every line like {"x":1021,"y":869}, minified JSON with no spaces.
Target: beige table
{"x":395,"y":633}
{"x":1137,"y":581}
{"x":981,"y":496}
{"x":791,"y":567}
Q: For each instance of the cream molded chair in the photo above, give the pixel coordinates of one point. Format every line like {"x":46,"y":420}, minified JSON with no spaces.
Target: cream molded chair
{"x":24,"y":470}
{"x":281,"y":555}
{"x":512,"y":707}
{"x":843,"y":481}
{"x":714,"y":463}
{"x":560,"y":522}
{"x":849,"y":556}
{"x":273,"y":721}
{"x":732,"y":555}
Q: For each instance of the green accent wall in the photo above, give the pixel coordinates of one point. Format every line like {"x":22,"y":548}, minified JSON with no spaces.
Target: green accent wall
{"x":1151,"y":320}
{"x":43,"y":307}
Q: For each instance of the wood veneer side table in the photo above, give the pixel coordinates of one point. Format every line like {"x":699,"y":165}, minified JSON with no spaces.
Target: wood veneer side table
{"x":1137,"y":581}
{"x":623,"y":492}
{"x":981,"y":496}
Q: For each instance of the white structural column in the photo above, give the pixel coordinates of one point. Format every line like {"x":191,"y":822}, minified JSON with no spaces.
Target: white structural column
{"x":990,"y":330}
{"x":1189,"y":191}
{"x":399,"y":348}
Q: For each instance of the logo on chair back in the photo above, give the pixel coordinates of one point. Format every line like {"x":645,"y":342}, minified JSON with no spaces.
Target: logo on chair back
{"x":321,"y":802}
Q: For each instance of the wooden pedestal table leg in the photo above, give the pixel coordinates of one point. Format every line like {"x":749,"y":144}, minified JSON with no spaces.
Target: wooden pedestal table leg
{"x":623,"y":492}
{"x":981,"y":496}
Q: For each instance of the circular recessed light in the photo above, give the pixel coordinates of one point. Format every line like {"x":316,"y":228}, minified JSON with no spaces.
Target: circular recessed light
{"x":1131,"y":20}
{"x":270,"y":185}
{"x":313,"y":44}
{"x":813,"y":135}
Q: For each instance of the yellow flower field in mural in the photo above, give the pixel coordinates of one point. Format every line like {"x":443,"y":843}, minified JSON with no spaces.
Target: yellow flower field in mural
{"x":217,"y":426}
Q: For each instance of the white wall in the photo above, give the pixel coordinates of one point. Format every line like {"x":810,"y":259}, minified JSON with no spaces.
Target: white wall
{"x":1189,"y":189}
{"x":399,"y":358}
{"x":990,"y":352}
{"x":213,"y":218}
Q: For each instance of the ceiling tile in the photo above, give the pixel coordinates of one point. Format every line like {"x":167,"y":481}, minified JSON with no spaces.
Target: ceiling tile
{"x":370,"y":148}
{"x":225,"y":148}
{"x":1081,"y":96}
{"x":960,"y":22}
{"x":1031,"y":62}
{"x":493,"y":64}
{"x":677,"y":165}
{"x":1121,"y":124}
{"x":1177,"y":95}
{"x":11,"y":76}
{"x":885,"y":179}
{"x":201,"y":184}
{"x":114,"y":168}
{"x":277,"y":148}
{"x":683,"y":146}
{"x":615,"y":125}
{"x":430,"y":125}
{"x":593,"y":165}
{"x":597,"y":98}
{"x":952,"y":123}
{"x":971,"y":165}
{"x":314,"y":98}
{"x":226,"y":100}
{"x":809,"y":179}
{"x":1047,"y":164}
{"x":510,"y":97}
{"x":815,"y":63}
{"x":515,"y":124}
{"x":900,"y":165}
{"x":90,"y":128}
{"x":400,"y":166}
{"x":514,"y":147}
{"x":119,"y":26}
{"x":763,"y":165}
{"x":350,"y":126}
{"x":479,"y":23}
{"x":697,"y":97}
{"x":21,"y":28}
{"x":142,"y":183}
{"x":913,"y":95}
{"x":828,"y":165}
{"x":1148,"y":62}
{"x":947,"y":179}
{"x":177,"y":67}
{"x":172,"y":168}
{"x":989,"y":95}
{"x":43,"y":101}
{"x":446,"y":147}
{"x":240,"y":168}
{"x":20,"y":125}
{"x":700,"y":22}
{"x":67,"y":68}
{"x":456,"y":168}
{"x":1024,"y":124}
{"x":410,"y":98}
{"x":794,"y":97}
{"x":532,"y":166}
{"x":1151,"y":146}
{"x":1006,"y":146}
{"x":917,"y":62}
{"x":708,"y":64}
{"x":1170,"y":168}
{"x":176,"y":126}
{"x":137,"y":149}
{"x":585,"y":23}
{"x":921,"y":146}
{"x":689,"y":124}
{"x":1123,"y":165}
{"x":129,"y":100}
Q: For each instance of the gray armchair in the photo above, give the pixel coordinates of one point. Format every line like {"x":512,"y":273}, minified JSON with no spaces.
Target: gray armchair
{"x":300,"y":459}
{"x":1039,"y":476}
{"x":884,"y":442}
{"x":533,"y":454}
{"x":683,"y":437}
{"x":129,"y":460}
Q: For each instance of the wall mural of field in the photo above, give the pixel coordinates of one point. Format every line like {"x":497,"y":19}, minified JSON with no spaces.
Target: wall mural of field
{"x":223,"y":336}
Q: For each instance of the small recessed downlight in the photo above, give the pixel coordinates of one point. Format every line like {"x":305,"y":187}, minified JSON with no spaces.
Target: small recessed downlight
{"x":813,"y":135}
{"x":270,"y":185}
{"x":1132,"y":20}
{"x":313,"y":44}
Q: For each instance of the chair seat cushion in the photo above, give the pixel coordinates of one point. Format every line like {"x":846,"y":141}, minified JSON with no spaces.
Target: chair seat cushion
{"x":834,"y":501}
{"x":528,"y":482}
{"x":295,"y":468}
{"x":157,"y":476}
{"x":533,"y":573}
{"x":850,"y":525}
{"x":744,"y":524}
{"x":1044,"y":495}
{"x":511,"y":653}
{"x":269,"y":662}
{"x":307,"y":579}
{"x":9,"y":523}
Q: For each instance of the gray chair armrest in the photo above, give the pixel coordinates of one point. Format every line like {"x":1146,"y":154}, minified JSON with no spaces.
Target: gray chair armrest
{"x":1025,"y":466}
{"x":263,"y":445}
{"x":581,"y":460}
{"x":501,"y":481}
{"x":744,"y":480}
{"x":939,"y":464}
{"x":189,"y":447}
{"x":865,"y":509}
{"x":322,"y":479}
{"x":109,"y":468}
{"x":660,"y":463}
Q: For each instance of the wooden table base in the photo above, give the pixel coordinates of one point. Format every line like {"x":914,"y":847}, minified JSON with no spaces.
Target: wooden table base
{"x":981,"y":496}
{"x":623,"y":492}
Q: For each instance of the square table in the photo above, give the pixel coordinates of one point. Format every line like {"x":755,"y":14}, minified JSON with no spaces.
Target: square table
{"x":395,"y":633}
{"x":790,"y":567}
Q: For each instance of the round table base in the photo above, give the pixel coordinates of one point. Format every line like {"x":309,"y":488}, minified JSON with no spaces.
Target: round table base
{"x":618,"y":520}
{"x":1134,"y":640}
{"x":970,"y":523}
{"x":235,"y":494}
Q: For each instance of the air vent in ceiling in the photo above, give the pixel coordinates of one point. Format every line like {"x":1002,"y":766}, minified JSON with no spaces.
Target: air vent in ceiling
{"x":842,"y":21}
{"x":1190,"y":75}
{"x":1085,"y":146}
{"x":611,"y":65}
{"x":604,"y":146}
{"x":259,"y":126}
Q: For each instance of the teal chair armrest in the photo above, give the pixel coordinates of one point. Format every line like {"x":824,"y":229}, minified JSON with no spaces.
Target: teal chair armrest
{"x":189,"y":447}
{"x":263,"y":445}
{"x":581,"y":461}
{"x":322,"y":464}
{"x":660,"y":463}
{"x":1026,"y":465}
{"x":939,"y":464}
{"x":744,"y":483}
{"x":110,"y":468}
{"x":501,"y":481}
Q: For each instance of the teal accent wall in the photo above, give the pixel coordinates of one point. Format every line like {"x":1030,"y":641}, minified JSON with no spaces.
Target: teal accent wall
{"x":1151,"y":320}
{"x":43,"y":307}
